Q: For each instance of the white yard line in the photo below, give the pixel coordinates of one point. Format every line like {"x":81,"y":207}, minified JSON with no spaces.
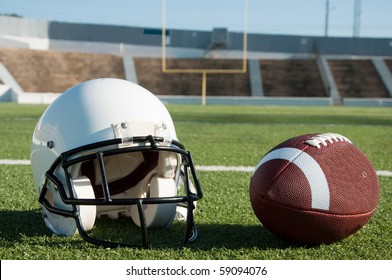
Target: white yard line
{"x":224,"y":168}
{"x":14,"y":162}
{"x":383,"y":173}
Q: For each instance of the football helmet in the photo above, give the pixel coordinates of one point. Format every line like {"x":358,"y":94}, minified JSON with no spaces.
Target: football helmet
{"x":104,"y":153}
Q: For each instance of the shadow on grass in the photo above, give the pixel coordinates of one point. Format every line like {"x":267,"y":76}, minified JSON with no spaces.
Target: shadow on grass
{"x":236,"y":236}
{"x":16,"y":226}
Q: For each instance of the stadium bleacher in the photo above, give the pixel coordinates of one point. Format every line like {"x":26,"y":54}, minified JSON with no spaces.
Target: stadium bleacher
{"x":45,"y":69}
{"x":55,"y":72}
{"x":292,"y":77}
{"x":357,"y":78}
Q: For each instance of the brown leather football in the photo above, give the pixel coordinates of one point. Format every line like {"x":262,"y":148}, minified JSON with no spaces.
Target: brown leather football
{"x":314,"y":188}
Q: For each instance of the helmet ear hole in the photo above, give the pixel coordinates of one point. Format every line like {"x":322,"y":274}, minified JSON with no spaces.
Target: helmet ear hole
{"x":158,"y":215}
{"x":84,"y":189}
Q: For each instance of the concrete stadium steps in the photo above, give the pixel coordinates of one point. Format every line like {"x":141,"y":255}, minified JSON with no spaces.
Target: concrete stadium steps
{"x":357,"y":79}
{"x":52,"y":71}
{"x":291,"y":78}
{"x":150,"y":75}
{"x":40,"y":73}
{"x":388,"y":62}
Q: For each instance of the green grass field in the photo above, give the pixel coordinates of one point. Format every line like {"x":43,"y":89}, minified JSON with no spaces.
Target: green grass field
{"x":216,"y":135}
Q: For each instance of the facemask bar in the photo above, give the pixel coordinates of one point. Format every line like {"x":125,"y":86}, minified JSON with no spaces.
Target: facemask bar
{"x":97,"y":151}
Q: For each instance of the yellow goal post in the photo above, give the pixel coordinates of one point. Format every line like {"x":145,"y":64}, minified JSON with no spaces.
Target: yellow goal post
{"x":205,"y":71}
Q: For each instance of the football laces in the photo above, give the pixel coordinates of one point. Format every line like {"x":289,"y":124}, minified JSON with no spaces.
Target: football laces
{"x":325,"y":139}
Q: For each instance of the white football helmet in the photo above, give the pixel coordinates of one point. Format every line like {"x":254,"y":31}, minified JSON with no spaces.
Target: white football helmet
{"x":108,"y":148}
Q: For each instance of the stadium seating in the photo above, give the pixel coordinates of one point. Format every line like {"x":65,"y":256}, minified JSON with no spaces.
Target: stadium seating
{"x":357,"y":78}
{"x":55,"y":71}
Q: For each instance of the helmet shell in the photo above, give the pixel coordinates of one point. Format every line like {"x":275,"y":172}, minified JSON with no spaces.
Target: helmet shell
{"x":85,"y":114}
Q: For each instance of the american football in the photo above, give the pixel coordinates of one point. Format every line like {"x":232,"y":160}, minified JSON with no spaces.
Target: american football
{"x":314,"y":188}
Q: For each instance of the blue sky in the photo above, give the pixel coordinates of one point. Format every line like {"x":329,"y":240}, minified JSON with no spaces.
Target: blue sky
{"x":296,"y":17}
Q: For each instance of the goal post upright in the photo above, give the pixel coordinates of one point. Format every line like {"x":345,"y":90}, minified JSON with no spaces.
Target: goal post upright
{"x":205,"y":71}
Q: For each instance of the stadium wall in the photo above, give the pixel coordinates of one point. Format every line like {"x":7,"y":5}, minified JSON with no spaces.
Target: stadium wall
{"x":14,"y":27}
